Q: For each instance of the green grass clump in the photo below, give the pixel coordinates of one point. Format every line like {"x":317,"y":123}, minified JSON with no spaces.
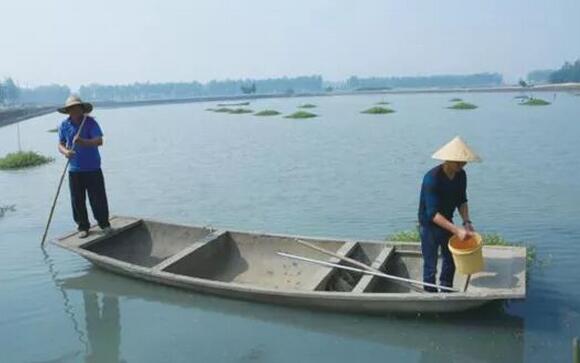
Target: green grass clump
{"x":267,"y":113}
{"x":463,"y":106}
{"x":535,"y":102}
{"x":301,"y":114}
{"x":455,"y":100}
{"x":6,"y":208}
{"x":23,"y":159}
{"x":378,"y":110}
{"x":237,"y":111}
{"x":53,"y":130}
{"x":489,"y":239}
{"x":307,"y":105}
{"x":382,"y":103}
{"x":223,"y":109}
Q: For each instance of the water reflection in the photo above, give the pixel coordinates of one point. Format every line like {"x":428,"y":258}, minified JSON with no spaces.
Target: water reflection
{"x":485,"y":335}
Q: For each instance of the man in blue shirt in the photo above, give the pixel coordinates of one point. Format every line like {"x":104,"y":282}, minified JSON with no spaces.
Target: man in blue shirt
{"x":444,"y":190}
{"x":79,"y":139}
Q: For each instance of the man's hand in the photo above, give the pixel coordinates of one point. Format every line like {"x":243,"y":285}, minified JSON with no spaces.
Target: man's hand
{"x":69,"y":154}
{"x":463,"y":233}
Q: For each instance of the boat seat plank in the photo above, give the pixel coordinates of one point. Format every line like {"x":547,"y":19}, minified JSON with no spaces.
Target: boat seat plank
{"x":322,"y":276}
{"x":214,"y":236}
{"x":367,"y":281}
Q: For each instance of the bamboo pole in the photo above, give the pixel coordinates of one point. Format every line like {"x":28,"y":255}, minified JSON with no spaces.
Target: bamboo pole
{"x":575,"y":350}
{"x":349,"y":260}
{"x":59,"y":187}
{"x":380,"y":274}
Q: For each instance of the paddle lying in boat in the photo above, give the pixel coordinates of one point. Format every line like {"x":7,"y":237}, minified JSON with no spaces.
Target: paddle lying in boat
{"x":245,"y":265}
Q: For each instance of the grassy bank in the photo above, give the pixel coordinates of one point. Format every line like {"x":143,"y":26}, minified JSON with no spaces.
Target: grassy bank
{"x":23,"y":159}
{"x":378,"y":110}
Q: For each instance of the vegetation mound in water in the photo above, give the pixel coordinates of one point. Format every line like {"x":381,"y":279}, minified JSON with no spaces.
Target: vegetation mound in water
{"x":535,"y":102}
{"x":382,"y":103}
{"x":463,"y":106}
{"x":237,"y":111}
{"x":301,"y":114}
{"x":6,"y":208}
{"x":267,"y":113}
{"x":455,"y":100}
{"x":489,"y":239}
{"x":307,"y":105}
{"x":53,"y":130}
{"x":23,"y":159}
{"x":378,"y":110}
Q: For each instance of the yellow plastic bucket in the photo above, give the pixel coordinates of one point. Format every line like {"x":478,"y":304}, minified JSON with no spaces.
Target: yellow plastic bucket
{"x":467,"y":254}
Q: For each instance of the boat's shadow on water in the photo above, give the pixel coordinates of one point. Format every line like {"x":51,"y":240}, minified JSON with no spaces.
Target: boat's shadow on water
{"x":485,"y":334}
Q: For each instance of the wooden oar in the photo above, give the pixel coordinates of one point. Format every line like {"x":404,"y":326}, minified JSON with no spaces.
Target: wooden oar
{"x":59,"y":186}
{"x":380,"y":274}
{"x":350,"y":260}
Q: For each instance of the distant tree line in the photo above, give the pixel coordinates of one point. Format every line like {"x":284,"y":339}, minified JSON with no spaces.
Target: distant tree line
{"x":150,"y":91}
{"x":570,"y":72}
{"x":470,"y":80}
{"x":539,"y":76}
{"x":11,"y":94}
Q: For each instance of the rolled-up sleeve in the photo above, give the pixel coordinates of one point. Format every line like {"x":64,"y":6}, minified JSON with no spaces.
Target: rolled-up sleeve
{"x":432,"y":200}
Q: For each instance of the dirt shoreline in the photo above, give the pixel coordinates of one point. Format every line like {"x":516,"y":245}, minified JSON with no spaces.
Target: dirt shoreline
{"x":10,"y":116}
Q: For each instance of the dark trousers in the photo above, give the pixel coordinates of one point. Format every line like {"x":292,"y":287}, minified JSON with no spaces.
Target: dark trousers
{"x":91,"y":183}
{"x":432,"y":239}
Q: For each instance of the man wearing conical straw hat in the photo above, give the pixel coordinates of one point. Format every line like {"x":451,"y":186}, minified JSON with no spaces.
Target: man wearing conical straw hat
{"x":444,"y":190}
{"x":79,"y":139}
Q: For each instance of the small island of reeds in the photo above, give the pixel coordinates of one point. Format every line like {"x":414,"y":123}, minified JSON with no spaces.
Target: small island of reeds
{"x":463,"y":106}
{"x":301,"y":114}
{"x":534,"y":102}
{"x":53,"y":130}
{"x":307,"y":105}
{"x":455,"y":100}
{"x":23,"y":159}
{"x":267,"y":113}
{"x":237,"y":111}
{"x":378,"y":110}
{"x":382,"y":103}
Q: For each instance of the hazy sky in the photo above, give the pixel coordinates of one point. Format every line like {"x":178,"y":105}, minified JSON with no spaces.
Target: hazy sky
{"x":106,"y":41}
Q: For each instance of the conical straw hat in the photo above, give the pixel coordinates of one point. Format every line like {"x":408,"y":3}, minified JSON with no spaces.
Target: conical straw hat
{"x":456,"y":150}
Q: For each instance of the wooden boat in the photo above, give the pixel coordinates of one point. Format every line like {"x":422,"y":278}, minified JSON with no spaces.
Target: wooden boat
{"x":246,"y":266}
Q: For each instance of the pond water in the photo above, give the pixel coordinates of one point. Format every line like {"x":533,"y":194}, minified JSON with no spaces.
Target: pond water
{"x":343,"y":174}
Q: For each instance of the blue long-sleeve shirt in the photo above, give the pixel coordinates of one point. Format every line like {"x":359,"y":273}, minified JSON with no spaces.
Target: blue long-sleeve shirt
{"x":439,"y":194}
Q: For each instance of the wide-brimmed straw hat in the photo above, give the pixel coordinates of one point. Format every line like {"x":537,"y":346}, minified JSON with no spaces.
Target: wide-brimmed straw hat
{"x":456,"y":150}
{"x":74,"y":100}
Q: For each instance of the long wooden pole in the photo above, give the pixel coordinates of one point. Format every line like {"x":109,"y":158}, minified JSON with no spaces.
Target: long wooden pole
{"x":349,"y":260}
{"x":59,"y":187}
{"x":380,"y":274}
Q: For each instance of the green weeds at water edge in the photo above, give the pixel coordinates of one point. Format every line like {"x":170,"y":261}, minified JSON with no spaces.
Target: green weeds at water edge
{"x":378,"y":110}
{"x":301,"y":114}
{"x":463,"y":106}
{"x":267,"y":113}
{"x":23,"y":159}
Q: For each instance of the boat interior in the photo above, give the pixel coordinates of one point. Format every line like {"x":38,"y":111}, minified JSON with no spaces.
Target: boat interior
{"x":252,"y":259}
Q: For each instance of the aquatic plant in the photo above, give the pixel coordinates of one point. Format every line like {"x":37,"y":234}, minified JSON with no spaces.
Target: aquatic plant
{"x":382,"y":103}
{"x":535,"y":102}
{"x":267,"y":113}
{"x":463,"y":106}
{"x":23,"y":159}
{"x":455,"y":100}
{"x":489,"y":239}
{"x":378,"y":110}
{"x":222,"y":109}
{"x":6,"y":208}
{"x":307,"y":105}
{"x":301,"y":114}
{"x":53,"y":130}
{"x":238,"y":111}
